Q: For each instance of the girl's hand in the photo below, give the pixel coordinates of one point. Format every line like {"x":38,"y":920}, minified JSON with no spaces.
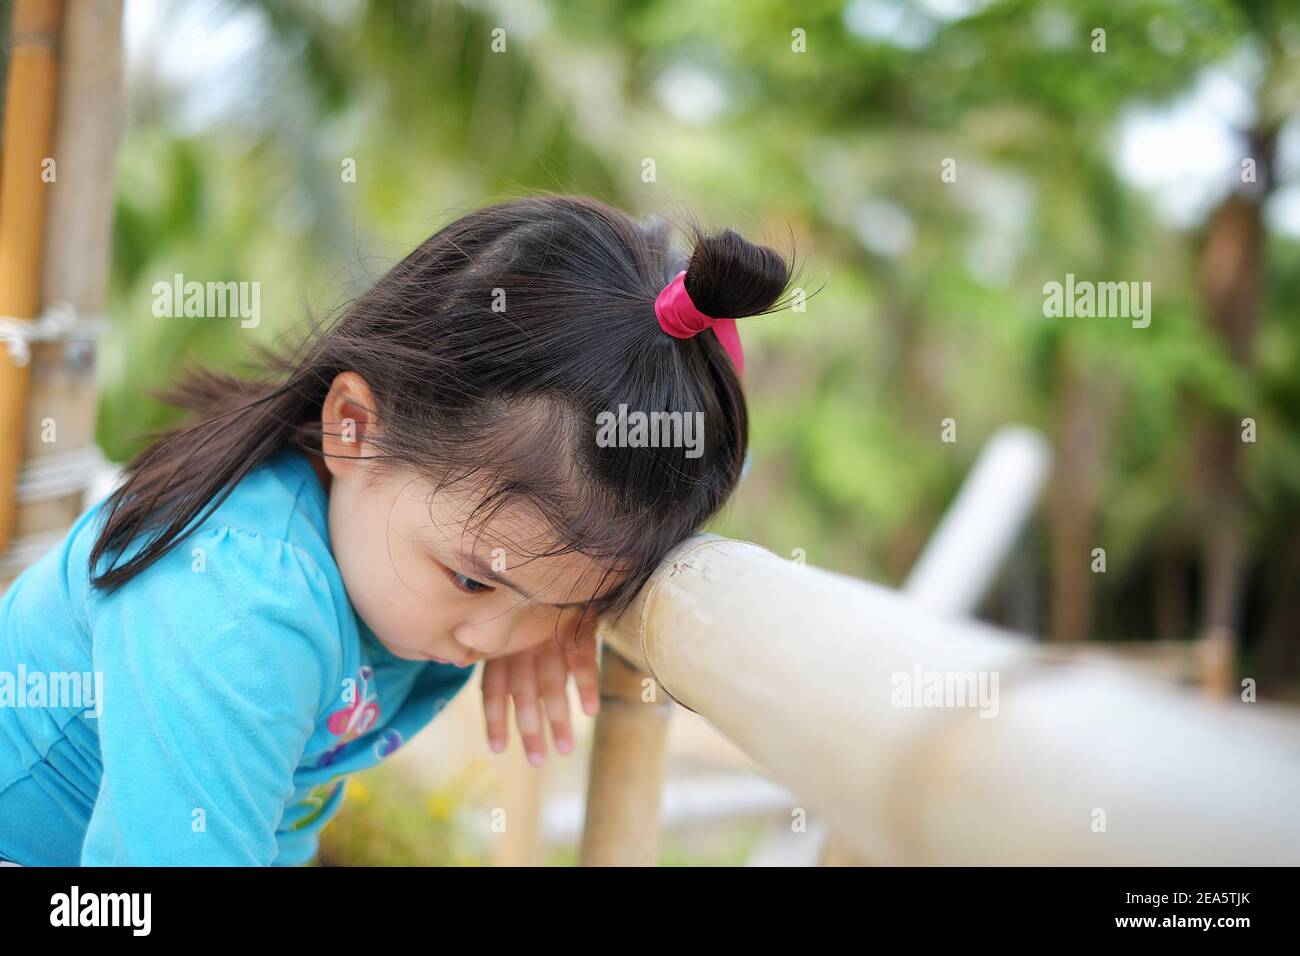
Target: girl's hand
{"x":544,"y":667}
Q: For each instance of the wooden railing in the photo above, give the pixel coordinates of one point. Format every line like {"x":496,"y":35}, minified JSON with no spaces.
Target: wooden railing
{"x":1067,"y":761}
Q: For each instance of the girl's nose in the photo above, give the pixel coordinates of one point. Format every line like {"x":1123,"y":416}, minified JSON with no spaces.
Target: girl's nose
{"x":482,"y":639}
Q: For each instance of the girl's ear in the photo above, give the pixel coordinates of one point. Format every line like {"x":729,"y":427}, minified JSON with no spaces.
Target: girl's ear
{"x":349,"y":418}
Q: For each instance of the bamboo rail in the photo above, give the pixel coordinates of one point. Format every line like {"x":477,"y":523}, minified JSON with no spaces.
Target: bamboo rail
{"x":963,"y":557}
{"x":1083,"y":762}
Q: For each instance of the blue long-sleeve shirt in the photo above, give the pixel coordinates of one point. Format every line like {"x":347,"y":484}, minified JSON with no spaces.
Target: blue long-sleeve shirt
{"x":207,"y":711}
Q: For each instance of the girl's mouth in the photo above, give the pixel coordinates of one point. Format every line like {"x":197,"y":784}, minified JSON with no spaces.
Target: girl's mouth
{"x":443,"y":660}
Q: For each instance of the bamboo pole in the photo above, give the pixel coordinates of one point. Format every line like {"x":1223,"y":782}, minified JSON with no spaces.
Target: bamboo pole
{"x":966,"y":552}
{"x":79,"y":238}
{"x":1079,"y":762}
{"x":59,"y":452}
{"x":522,"y":787}
{"x":627,"y":767}
{"x":968,"y":549}
{"x":28,"y":142}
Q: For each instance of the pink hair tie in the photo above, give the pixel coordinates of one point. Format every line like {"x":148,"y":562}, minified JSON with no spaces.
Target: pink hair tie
{"x":679,"y":317}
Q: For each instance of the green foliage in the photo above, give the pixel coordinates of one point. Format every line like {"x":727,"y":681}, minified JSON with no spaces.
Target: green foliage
{"x":837,"y":144}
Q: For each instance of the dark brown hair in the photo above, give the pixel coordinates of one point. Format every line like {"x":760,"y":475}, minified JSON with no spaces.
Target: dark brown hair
{"x":505,"y":398}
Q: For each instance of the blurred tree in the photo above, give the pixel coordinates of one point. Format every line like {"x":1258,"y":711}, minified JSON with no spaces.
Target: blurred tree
{"x":837,"y":120}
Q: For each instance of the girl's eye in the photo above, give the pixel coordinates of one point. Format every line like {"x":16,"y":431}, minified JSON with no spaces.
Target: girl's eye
{"x":468,"y":585}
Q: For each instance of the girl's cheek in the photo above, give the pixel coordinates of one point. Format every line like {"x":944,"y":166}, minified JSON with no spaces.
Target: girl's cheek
{"x":540,"y":629}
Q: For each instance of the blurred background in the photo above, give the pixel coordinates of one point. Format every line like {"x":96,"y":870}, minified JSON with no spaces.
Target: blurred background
{"x":936,"y":162}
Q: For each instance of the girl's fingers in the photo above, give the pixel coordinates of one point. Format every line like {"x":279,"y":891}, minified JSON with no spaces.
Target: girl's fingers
{"x":586,"y":676}
{"x":582,"y":662}
{"x":495,"y":699}
{"x":523,"y":687}
{"x":552,"y":675}
{"x":529,"y":714}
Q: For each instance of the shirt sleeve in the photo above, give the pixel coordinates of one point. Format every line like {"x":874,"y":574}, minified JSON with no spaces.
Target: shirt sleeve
{"x":215,"y":663}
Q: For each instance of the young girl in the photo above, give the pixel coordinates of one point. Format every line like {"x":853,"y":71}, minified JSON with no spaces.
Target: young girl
{"x":284,"y":590}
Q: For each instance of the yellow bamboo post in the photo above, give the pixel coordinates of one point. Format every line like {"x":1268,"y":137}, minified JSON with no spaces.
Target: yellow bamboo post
{"x":1215,"y":655}
{"x":522,"y":786}
{"x":28,"y":143}
{"x":836,"y":853}
{"x":626,"y":779}
{"x":59,"y":451}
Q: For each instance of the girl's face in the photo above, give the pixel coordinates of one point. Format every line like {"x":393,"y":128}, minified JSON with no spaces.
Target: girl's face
{"x":429,"y":589}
